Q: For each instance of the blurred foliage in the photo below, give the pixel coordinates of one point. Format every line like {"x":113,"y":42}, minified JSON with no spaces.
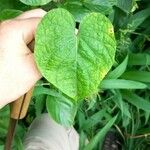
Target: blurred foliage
{"x":123,"y":101}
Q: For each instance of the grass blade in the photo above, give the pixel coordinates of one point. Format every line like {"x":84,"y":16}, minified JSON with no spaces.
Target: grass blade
{"x":142,"y":76}
{"x":139,"y":59}
{"x":94,"y":119}
{"x":137,"y":101}
{"x":121,"y":104}
{"x":118,"y":71}
{"x":121,"y":84}
{"x":100,"y":135}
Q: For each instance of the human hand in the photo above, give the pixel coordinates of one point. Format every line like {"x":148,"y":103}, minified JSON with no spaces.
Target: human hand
{"x":18,"y":71}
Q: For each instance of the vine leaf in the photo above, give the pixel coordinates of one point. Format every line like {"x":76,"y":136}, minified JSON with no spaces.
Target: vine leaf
{"x":75,"y":64}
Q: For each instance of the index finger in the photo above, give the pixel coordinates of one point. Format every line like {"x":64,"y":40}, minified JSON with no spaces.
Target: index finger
{"x":32,"y":13}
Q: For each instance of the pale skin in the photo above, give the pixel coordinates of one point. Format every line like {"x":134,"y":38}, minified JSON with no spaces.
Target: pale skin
{"x":18,"y":70}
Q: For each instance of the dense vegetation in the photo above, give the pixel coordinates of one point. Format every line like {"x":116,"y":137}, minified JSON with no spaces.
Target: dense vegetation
{"x":122,"y":103}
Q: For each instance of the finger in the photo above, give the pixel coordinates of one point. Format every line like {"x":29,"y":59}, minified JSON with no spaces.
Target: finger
{"x":17,"y":34}
{"x":25,"y":29}
{"x":32,"y":13}
{"x":28,"y":29}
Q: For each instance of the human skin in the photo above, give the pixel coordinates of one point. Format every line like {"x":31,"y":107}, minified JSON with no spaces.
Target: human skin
{"x":18,"y":71}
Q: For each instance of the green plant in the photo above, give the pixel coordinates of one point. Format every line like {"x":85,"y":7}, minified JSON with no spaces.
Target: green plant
{"x":74,"y":64}
{"x":122,"y":99}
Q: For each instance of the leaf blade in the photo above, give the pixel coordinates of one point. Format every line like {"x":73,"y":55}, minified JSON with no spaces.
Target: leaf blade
{"x":137,"y":101}
{"x":121,"y":84}
{"x":61,"y":109}
{"x":119,"y":70}
{"x":100,"y":135}
{"x":35,"y":2}
{"x":66,"y":57}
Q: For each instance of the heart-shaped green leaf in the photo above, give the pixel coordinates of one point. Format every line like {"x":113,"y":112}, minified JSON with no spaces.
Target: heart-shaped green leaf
{"x":75,"y":64}
{"x":35,"y":2}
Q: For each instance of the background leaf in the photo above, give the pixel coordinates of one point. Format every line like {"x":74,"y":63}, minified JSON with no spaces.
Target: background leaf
{"x":35,"y":2}
{"x":76,"y":9}
{"x":130,"y":19}
{"x":139,"y":59}
{"x":4,"y":121}
{"x":121,"y":84}
{"x":137,"y":101}
{"x":125,"y":5}
{"x":119,"y":70}
{"x":104,"y":7}
{"x":61,"y":109}
{"x":100,"y":135}
{"x":15,"y":4}
{"x":9,"y":13}
{"x":138,"y":18}
{"x":121,"y":104}
{"x":142,"y":76}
